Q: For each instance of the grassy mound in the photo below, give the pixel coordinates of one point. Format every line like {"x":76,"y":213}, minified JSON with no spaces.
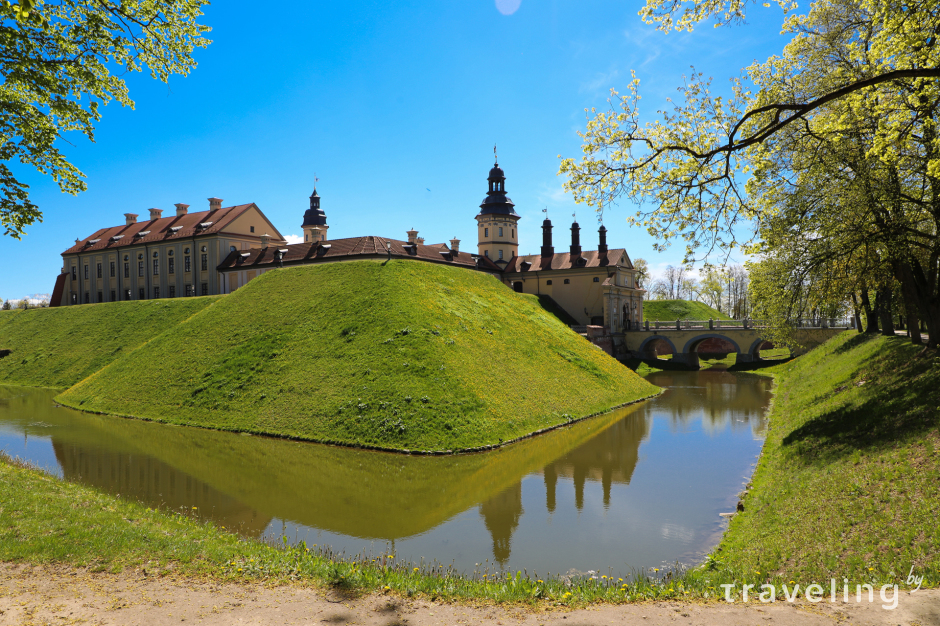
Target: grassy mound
{"x":848,"y":484}
{"x":401,"y":355}
{"x":61,"y":346}
{"x":672,"y":310}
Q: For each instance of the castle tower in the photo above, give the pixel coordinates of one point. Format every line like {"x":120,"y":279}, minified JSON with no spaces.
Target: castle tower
{"x":497,"y":234}
{"x":314,"y":225}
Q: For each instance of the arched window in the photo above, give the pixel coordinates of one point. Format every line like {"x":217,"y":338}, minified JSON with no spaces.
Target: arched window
{"x":567,"y":281}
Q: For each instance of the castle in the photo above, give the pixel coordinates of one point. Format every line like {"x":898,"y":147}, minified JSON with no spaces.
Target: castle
{"x":219,"y":250}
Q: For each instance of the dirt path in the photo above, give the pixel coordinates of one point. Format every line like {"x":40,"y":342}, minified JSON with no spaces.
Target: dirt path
{"x":45,"y":595}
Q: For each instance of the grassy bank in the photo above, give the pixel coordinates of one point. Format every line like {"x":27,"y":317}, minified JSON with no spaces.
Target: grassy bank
{"x":672,"y":310}
{"x":848,"y":484}
{"x":59,"y":347}
{"x":401,"y":355}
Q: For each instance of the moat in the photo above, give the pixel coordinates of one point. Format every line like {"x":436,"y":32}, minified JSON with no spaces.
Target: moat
{"x":640,"y":487}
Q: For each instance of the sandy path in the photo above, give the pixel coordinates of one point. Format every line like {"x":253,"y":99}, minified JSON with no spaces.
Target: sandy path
{"x":45,"y":595}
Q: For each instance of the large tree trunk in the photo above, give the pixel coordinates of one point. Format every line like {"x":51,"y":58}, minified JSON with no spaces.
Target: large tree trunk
{"x":883,"y":303}
{"x":924,"y":295}
{"x":856,"y":312}
{"x":870,"y":318}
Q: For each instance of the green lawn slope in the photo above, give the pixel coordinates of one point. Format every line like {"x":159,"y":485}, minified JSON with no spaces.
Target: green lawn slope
{"x":402,"y":355}
{"x":672,"y":310}
{"x":848,"y":485}
{"x":60,"y":346}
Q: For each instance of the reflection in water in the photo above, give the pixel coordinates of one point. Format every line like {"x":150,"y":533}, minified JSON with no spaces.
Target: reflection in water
{"x":658,"y":495}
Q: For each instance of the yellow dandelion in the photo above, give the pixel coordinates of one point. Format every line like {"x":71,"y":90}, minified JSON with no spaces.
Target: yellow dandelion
{"x":416,"y":569}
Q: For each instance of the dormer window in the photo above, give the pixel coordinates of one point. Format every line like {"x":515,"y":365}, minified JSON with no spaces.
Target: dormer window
{"x":142,"y":233}
{"x":117,"y":237}
{"x":175,"y":229}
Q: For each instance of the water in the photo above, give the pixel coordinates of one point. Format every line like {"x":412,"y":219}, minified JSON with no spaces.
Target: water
{"x":640,"y":487}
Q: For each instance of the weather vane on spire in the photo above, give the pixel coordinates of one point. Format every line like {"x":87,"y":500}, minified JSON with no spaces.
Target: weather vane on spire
{"x":315,"y":181}
{"x":545,"y":211}
{"x":574,"y":216}
{"x":495,"y":156}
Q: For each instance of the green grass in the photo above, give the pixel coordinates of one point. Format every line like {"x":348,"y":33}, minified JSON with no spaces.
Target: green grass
{"x":401,"y":355}
{"x":672,"y":310}
{"x":848,"y":484}
{"x":44,"y":520}
{"x":57,"y":347}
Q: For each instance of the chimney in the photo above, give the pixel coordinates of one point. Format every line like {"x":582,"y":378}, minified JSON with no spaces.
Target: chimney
{"x":455,"y":245}
{"x":602,"y":246}
{"x":181,"y":209}
{"x":155,"y":214}
{"x":575,"y":240}
{"x":547,"y":249}
{"x":130,"y":218}
{"x":77,"y":241}
{"x":419,"y":240}
{"x":265,"y":238}
{"x":215,"y":204}
{"x":412,"y":236}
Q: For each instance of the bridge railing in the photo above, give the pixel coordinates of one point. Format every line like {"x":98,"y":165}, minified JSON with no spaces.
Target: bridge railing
{"x":742,"y":324}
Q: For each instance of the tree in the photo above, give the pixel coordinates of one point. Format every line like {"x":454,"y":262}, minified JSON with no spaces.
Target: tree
{"x":850,"y":62}
{"x":6,"y":306}
{"x":642,"y":271}
{"x":58,"y":60}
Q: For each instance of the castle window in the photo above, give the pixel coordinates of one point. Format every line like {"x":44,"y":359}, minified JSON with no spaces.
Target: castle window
{"x":113,"y":296}
{"x":140,"y":269}
{"x":99,"y":270}
{"x":567,"y":281}
{"x":205,"y":262}
{"x":86,"y":272}
{"x":486,"y":253}
{"x":171,"y":267}
{"x":252,"y":228}
{"x":156,"y":267}
{"x":486,"y":232}
{"x":205,"y":289}
{"x":187,"y":265}
{"x":513,"y":233}
{"x":548,"y":282}
{"x":127,"y":294}
{"x":156,"y":292}
{"x":172,"y":291}
{"x":189,"y":290}
{"x":596,"y":279}
{"x":500,"y":231}
{"x":74,"y":276}
{"x":74,"y":298}
{"x":142,"y":295}
{"x":112,"y":271}
{"x":500,"y":254}
{"x":87,"y":298}
{"x":306,"y":237}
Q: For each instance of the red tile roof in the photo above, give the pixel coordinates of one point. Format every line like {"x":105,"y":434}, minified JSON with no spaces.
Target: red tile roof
{"x":159,"y":230}
{"x":58,"y":290}
{"x":358,"y":247}
{"x":563,"y":261}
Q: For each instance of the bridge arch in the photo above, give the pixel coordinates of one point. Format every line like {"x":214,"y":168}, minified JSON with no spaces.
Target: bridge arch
{"x":693,"y":343}
{"x":647,"y":348}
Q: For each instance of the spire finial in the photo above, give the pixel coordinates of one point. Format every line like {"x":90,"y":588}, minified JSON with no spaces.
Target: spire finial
{"x":495,"y":156}
{"x":574,"y":216}
{"x":315,"y":181}
{"x":545,"y":211}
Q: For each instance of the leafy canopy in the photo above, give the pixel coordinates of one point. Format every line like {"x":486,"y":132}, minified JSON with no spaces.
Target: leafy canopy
{"x":60,"y":61}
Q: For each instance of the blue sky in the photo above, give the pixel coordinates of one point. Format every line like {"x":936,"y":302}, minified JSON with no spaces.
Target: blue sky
{"x":395,"y":106}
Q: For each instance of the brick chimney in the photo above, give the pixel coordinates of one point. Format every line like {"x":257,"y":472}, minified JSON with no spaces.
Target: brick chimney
{"x":455,"y":245}
{"x":155,"y":214}
{"x":602,"y":244}
{"x":265,"y":238}
{"x":412,"y":236}
{"x":130,"y":218}
{"x":575,"y":240}
{"x":215,"y":204}
{"x":181,"y":209}
{"x":547,"y":248}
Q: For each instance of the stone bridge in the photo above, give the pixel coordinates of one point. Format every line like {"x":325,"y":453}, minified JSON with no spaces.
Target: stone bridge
{"x":686,"y":340}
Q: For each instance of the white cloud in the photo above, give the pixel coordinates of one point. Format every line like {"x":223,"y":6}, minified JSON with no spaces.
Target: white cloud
{"x":294,"y":238}
{"x":601,"y":82}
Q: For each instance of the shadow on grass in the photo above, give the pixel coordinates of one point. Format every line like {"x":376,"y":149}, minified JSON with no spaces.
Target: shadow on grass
{"x":893,"y":398}
{"x":758,"y":365}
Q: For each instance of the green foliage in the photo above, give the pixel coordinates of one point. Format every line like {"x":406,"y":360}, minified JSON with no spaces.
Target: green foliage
{"x":57,"y":347}
{"x":399,"y":355}
{"x":672,"y":310}
{"x":848,"y":484}
{"x":62,"y":60}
